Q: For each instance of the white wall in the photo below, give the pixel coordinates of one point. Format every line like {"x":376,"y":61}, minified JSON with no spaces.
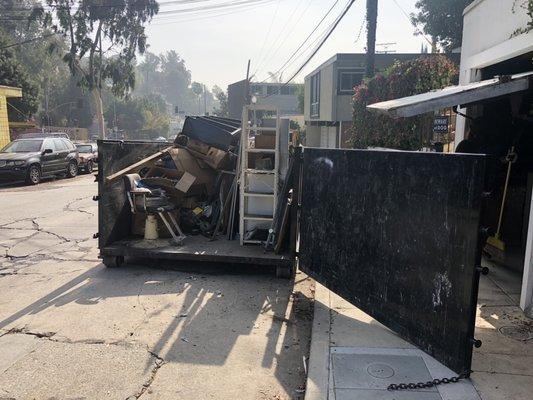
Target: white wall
{"x":328,"y":137}
{"x":487,"y":39}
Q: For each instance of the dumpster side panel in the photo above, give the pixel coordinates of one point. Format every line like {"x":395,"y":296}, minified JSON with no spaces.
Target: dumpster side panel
{"x":397,"y":235}
{"x":114,"y":215}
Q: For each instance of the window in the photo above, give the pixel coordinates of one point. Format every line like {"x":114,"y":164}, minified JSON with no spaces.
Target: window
{"x":348,"y":79}
{"x":49,"y":144}
{"x":288,"y":90}
{"x":60,"y":145}
{"x":257,"y":89}
{"x":69,"y":144}
{"x":315,"y":95}
{"x":272,"y":90}
{"x":23,"y":146}
{"x":85,"y":148}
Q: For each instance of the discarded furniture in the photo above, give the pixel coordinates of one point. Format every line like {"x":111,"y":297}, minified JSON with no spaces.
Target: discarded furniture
{"x":151,"y":202}
{"x":259,"y":172}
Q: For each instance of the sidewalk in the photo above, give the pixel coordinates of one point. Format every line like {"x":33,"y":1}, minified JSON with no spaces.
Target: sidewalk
{"x":355,"y":357}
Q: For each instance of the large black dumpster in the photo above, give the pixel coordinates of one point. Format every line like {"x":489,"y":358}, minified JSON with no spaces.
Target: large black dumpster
{"x":116,"y":242}
{"x":398,"y":234}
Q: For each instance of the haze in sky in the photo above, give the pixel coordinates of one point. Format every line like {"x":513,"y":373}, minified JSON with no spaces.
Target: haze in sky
{"x":217,"y":44}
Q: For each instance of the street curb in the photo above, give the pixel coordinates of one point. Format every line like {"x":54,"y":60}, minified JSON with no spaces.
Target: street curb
{"x":318,"y":368}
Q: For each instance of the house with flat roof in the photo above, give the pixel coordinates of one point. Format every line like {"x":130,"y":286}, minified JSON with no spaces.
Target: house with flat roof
{"x":328,"y":95}
{"x":5,"y":93}
{"x":282,"y":96}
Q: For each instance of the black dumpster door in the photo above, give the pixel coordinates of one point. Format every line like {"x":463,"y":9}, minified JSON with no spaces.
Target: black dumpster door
{"x":397,"y":235}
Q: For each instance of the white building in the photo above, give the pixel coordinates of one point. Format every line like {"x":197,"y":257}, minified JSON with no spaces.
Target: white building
{"x":489,"y":42}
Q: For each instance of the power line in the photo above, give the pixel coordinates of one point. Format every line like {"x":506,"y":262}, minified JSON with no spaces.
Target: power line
{"x":28,"y":41}
{"x":203,"y":16}
{"x":269,"y":30}
{"x":308,"y":37}
{"x":286,"y":36}
{"x":265,"y":58}
{"x":334,"y":25}
{"x":412,"y":23}
{"x":360,"y":30}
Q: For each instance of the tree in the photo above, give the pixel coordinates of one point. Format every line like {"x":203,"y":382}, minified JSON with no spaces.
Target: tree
{"x":66,"y":103}
{"x":90,"y":25}
{"x":528,"y":6}
{"x":197,"y":88}
{"x":443,"y":20}
{"x":401,"y":79}
{"x":222,"y":98}
{"x":13,"y":74}
{"x":139,"y":116}
{"x":300,"y":92}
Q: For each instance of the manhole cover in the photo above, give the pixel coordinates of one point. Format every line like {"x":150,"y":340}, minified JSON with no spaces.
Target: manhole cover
{"x":379,"y":370}
{"x":522,"y":333}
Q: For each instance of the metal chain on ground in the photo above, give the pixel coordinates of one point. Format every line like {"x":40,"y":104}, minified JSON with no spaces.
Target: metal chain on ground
{"x":428,"y":384}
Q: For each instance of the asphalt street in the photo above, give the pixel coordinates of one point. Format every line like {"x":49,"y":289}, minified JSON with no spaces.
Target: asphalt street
{"x":70,"y":328}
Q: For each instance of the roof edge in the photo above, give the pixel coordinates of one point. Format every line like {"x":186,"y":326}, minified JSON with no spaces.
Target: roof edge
{"x":471,"y":6}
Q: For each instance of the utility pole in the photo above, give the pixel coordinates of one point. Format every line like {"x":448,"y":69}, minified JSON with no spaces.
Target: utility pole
{"x":371,"y":25}
{"x":247,"y":86}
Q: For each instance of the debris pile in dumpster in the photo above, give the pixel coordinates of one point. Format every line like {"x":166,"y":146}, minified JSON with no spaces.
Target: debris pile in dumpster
{"x":191,"y":187}
{"x":183,"y":188}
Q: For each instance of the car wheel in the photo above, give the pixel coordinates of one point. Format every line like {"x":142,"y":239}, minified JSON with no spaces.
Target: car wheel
{"x":72,"y":169}
{"x":34,"y":175}
{"x":89,"y":167}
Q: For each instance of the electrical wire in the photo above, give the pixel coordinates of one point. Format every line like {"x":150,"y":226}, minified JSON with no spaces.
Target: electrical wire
{"x":269,"y":30}
{"x":307,"y":38}
{"x":28,"y":41}
{"x":266,"y":57}
{"x":165,"y":20}
{"x":286,"y":36}
{"x":171,"y":21}
{"x":418,"y":31}
{"x":360,"y":29}
{"x":332,"y":29}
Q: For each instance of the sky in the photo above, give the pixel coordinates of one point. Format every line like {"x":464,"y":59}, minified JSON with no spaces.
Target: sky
{"x":217,"y":44}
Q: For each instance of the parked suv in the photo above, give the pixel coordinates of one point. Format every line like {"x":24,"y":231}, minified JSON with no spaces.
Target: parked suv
{"x":33,"y":159}
{"x":87,"y":156}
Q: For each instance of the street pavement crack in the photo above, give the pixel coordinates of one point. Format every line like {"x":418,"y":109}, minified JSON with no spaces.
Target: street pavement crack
{"x":157,"y":364}
{"x":68,"y":207}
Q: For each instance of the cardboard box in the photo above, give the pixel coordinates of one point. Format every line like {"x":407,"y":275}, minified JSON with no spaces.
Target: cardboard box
{"x":184,"y":161}
{"x":265,"y":141}
{"x":198,"y":146}
{"x":185,"y":183}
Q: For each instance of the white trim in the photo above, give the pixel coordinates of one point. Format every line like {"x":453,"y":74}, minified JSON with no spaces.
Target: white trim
{"x":511,"y":48}
{"x":471,"y":6}
{"x":526,"y":296}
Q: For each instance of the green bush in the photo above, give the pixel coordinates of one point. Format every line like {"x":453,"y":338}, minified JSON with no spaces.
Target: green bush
{"x":401,"y":79}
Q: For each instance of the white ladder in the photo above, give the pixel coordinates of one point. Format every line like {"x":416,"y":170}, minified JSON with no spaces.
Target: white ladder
{"x":258,"y":186}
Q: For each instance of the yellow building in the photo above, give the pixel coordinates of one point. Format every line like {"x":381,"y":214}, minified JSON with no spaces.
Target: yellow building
{"x":5,"y":93}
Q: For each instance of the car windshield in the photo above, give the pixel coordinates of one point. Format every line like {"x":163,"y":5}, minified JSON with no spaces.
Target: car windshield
{"x":85,"y":148}
{"x":23,"y":146}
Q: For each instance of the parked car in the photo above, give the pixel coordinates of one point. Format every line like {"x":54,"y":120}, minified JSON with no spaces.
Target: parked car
{"x":34,"y":159}
{"x":44,"y":135}
{"x":87,"y":156}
